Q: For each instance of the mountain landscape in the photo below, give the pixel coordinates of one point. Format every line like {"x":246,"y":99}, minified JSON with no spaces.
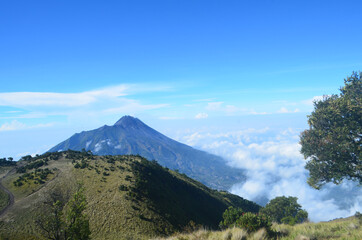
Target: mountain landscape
{"x":129,"y":135}
{"x":128,"y":196}
{"x":180,"y":120}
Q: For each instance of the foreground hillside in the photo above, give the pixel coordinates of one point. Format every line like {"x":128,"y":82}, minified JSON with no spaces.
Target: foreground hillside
{"x":128,"y":196}
{"x":347,"y":229}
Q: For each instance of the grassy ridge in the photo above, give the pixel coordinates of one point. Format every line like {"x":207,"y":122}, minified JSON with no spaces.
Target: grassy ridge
{"x":179,"y":198}
{"x":4,"y":199}
{"x":128,"y":196}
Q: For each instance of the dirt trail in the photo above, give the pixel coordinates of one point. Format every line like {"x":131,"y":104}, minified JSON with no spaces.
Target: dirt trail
{"x":11,"y":197}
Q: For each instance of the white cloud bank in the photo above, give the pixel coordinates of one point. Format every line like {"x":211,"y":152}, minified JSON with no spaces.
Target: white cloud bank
{"x":275,"y":168}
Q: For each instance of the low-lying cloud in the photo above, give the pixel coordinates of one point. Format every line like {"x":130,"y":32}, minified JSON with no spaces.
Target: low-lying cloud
{"x":275,"y":167}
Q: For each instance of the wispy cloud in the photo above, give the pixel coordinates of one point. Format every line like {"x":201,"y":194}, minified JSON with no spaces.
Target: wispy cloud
{"x":201,"y":115}
{"x":23,"y":99}
{"x":170,"y":118}
{"x":253,"y":112}
{"x":16,"y":125}
{"x":285,"y":110}
{"x":205,"y":100}
{"x":132,"y":106}
{"x":310,"y":101}
{"x":228,"y":109}
{"x":107,"y":100}
{"x":214,"y":106}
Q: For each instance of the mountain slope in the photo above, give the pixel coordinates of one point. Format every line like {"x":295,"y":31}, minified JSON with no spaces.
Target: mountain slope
{"x":128,"y":196}
{"x":131,"y":136}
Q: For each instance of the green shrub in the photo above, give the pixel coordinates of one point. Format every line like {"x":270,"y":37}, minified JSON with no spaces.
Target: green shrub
{"x":39,"y":176}
{"x":289,"y":220}
{"x":230,"y":216}
{"x":358,"y":215}
{"x":253,"y":222}
{"x":17,"y":183}
{"x":285,"y":210}
{"x":248,"y":221}
{"x":123,"y":188}
{"x":112,"y":161}
{"x":128,"y":178}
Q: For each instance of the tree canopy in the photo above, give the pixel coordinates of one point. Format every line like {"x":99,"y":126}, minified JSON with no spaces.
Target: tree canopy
{"x":285,"y":210}
{"x":332,"y":144}
{"x":53,"y":224}
{"x":8,"y":162}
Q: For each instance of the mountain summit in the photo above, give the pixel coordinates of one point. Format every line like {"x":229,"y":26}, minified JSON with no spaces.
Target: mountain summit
{"x":130,"y":122}
{"x":130,"y":135}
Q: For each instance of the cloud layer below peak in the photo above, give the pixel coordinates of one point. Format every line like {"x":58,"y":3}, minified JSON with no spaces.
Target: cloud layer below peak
{"x":275,"y":167}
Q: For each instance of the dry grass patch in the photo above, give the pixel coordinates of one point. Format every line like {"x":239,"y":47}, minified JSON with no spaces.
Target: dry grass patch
{"x":344,"y":229}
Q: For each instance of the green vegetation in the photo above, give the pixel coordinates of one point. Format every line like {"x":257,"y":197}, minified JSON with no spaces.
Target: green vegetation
{"x":39,"y":176}
{"x":128,"y":196}
{"x":344,"y":229}
{"x":179,"y":201}
{"x":332,"y":145}
{"x":32,"y":165}
{"x":279,"y":210}
{"x":7,"y":162}
{"x":230,"y":216}
{"x":4,"y":199}
{"x":251,"y":222}
{"x":358,"y":215}
{"x":285,"y":210}
{"x":75,"y":224}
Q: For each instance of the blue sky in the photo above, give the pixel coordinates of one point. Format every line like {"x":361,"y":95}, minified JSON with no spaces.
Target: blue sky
{"x":186,"y":68}
{"x":169,"y":59}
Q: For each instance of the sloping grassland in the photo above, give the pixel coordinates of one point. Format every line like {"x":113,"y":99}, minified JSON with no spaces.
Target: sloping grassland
{"x":128,"y":196}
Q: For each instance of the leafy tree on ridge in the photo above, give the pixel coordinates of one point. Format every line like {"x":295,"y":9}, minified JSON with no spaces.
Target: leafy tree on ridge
{"x":56,"y":225}
{"x":332,"y":144}
{"x":285,"y":210}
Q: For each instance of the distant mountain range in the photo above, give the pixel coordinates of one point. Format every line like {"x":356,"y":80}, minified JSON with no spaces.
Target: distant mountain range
{"x":129,"y":135}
